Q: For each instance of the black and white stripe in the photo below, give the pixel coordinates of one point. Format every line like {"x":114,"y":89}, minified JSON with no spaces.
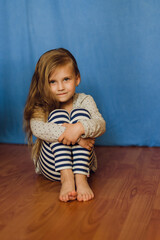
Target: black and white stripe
{"x":55,"y":157}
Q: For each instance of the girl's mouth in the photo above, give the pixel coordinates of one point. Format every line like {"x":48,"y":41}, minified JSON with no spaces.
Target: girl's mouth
{"x":61,"y":94}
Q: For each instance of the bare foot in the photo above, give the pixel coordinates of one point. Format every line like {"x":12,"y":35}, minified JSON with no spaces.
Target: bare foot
{"x":84,"y":192}
{"x":67,"y":191}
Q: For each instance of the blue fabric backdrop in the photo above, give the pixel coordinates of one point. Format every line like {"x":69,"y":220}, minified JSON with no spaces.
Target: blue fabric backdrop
{"x":117,"y":47}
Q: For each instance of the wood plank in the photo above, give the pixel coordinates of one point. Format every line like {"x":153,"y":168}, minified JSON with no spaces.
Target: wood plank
{"x":126,"y":204}
{"x":153,"y":229}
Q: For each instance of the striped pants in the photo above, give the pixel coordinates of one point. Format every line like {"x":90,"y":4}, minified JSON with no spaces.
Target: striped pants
{"x":56,"y":156}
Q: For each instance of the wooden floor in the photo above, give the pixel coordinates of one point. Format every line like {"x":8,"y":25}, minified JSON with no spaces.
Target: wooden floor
{"x":126,"y":204}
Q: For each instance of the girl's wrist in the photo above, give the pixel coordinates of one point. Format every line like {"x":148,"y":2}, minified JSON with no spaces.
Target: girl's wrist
{"x":81,"y":128}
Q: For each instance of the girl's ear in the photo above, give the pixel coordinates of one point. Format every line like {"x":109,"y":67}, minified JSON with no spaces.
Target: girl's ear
{"x":78,"y":80}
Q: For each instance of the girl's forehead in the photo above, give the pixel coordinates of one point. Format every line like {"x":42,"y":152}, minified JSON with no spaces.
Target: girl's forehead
{"x":62,"y":70}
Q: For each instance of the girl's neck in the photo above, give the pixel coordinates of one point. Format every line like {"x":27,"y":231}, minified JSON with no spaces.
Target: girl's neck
{"x":68,"y":106}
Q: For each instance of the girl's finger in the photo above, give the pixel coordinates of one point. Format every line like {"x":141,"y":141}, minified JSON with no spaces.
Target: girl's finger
{"x":64,"y":142}
{"x":88,"y":147}
{"x":60,"y":139}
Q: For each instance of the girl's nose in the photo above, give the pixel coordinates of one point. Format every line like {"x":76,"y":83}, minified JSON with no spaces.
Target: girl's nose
{"x":60,"y":86}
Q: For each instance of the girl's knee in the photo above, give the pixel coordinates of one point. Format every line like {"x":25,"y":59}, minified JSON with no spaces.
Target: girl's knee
{"x":79,"y":113}
{"x":59,"y":116}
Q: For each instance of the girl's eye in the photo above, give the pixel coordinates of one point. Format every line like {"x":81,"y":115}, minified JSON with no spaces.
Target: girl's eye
{"x":66,"y":79}
{"x":52,"y":82}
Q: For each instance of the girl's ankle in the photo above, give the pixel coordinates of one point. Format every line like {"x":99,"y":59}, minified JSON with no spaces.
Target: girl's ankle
{"x":66,"y":175}
{"x":80,"y":178}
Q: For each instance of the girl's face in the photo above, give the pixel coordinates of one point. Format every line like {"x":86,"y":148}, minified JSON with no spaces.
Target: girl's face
{"x":63,"y":82}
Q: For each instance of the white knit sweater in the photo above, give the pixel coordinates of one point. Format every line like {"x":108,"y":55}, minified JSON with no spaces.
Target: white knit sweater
{"x":93,"y":127}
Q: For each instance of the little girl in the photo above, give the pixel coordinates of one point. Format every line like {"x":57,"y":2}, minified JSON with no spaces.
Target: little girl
{"x":65,"y":124}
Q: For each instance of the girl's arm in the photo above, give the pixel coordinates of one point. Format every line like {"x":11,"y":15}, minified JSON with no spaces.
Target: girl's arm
{"x":95,"y":126}
{"x":85,"y":128}
{"x":49,"y":132}
{"x":72,"y":133}
{"x":87,"y":143}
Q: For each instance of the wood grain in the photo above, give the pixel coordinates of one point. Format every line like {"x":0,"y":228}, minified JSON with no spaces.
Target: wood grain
{"x":126,"y":204}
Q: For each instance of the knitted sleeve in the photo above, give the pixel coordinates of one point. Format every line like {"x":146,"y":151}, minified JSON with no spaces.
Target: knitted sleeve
{"x":95,"y":126}
{"x":49,"y":132}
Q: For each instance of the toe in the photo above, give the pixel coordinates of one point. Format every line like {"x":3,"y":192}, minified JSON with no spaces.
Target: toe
{"x":86,"y":197}
{"x":62,"y":199}
{"x":90,"y":196}
{"x":65,"y":198}
{"x":79,"y":197}
{"x":72,"y":195}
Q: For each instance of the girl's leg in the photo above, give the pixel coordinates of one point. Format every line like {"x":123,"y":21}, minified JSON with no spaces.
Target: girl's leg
{"x":82,"y":161}
{"x":48,"y":169}
{"x":47,"y":163}
{"x":63,"y":164}
{"x":58,"y":160}
{"x":62,"y":153}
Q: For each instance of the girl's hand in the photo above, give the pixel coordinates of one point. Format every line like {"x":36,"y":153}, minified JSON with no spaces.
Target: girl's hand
{"x":87,"y":143}
{"x":71,"y":133}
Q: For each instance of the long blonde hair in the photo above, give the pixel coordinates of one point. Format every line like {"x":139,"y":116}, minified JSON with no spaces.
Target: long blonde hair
{"x":40,"y":101}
